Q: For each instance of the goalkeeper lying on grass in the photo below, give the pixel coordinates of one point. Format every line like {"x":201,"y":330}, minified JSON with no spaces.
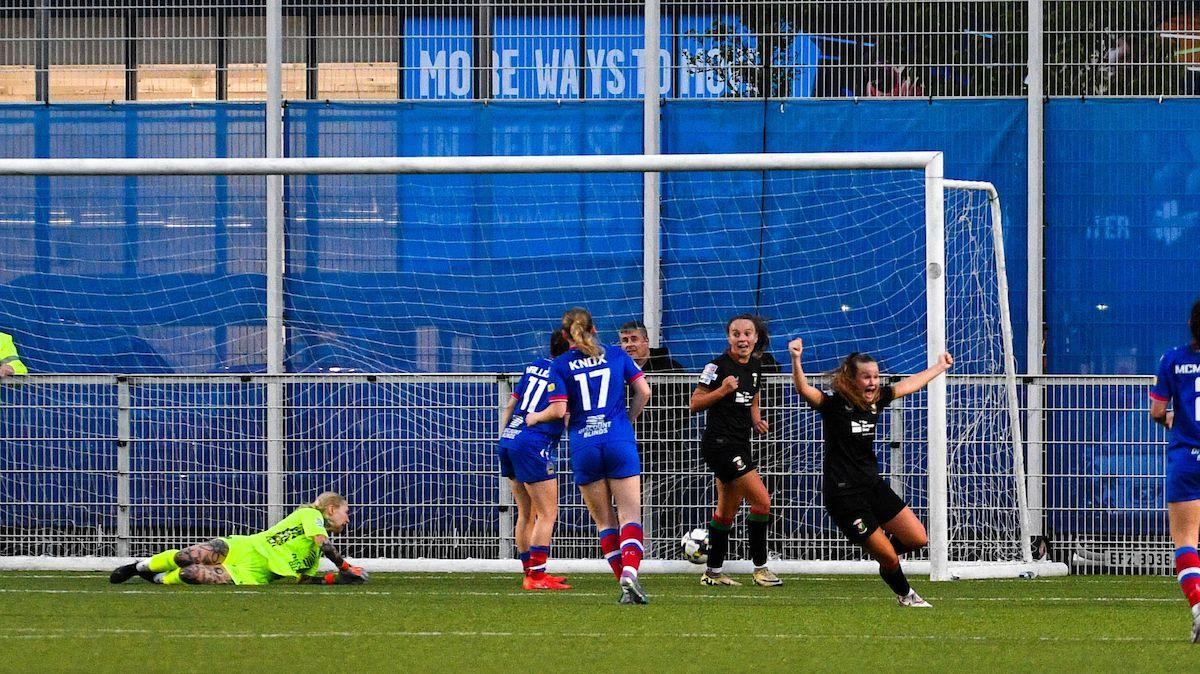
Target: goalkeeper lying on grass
{"x":290,"y":549}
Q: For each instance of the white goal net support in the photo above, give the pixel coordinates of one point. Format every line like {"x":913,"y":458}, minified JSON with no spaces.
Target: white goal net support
{"x":357,"y":339}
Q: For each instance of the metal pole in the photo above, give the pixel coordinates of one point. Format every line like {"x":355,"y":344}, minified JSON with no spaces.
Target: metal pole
{"x":651,"y":199}
{"x":935,"y":324}
{"x":1035,"y":179}
{"x":507,"y":523}
{"x":123,"y":466}
{"x":275,"y":336}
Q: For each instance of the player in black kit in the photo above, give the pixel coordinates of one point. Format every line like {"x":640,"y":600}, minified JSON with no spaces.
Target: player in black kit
{"x":729,"y":390}
{"x":857,"y":499}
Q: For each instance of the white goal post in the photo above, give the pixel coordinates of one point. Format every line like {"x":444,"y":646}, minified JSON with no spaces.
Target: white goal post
{"x":941,"y":564}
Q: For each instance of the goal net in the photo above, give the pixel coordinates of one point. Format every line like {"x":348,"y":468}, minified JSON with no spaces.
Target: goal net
{"x":409,"y":287}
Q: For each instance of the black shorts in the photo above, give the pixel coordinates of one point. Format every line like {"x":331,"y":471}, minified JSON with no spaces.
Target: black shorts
{"x":859,"y":514}
{"x":727,"y":460}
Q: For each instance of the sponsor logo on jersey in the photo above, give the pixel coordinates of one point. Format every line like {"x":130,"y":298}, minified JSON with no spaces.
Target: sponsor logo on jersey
{"x":590,"y":361}
{"x":862,"y":427}
{"x":320,"y":521}
{"x":709,"y":375}
{"x":595,"y":425}
{"x":1187,"y":368}
{"x":743,"y":397}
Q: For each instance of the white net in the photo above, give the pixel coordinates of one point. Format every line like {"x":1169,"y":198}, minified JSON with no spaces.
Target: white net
{"x":444,"y":274}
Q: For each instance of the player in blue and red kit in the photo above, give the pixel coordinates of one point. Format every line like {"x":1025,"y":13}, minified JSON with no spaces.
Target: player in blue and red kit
{"x":1178,"y":383}
{"x":527,"y":459}
{"x":588,"y":380}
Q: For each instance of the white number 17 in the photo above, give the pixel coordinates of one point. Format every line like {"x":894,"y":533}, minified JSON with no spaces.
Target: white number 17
{"x":602,"y":399}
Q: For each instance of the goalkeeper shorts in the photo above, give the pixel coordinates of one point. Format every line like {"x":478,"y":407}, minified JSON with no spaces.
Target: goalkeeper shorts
{"x":246,"y":566}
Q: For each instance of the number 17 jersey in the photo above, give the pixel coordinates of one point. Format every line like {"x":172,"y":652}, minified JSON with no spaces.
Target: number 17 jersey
{"x":594,"y":389}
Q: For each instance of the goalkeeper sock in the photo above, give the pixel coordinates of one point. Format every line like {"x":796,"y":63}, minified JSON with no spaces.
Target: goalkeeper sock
{"x":160,"y":563}
{"x":170,"y":577}
{"x":757,"y":524}
{"x":610,"y":545}
{"x":1187,"y":566}
{"x":896,"y":580}
{"x":718,"y":542}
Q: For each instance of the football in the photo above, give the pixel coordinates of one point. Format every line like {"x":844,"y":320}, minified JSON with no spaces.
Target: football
{"x":694,"y":546}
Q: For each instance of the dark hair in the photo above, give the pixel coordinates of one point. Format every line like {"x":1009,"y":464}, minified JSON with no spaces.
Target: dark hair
{"x":764,"y":337}
{"x":843,"y":378}
{"x":742,"y":317}
{"x":1194,"y":325}
{"x":634,"y":325}
{"x":577,"y":324}
{"x":558,"y":344}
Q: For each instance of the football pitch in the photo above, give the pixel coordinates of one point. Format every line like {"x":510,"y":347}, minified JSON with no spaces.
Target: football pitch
{"x":485,"y":622}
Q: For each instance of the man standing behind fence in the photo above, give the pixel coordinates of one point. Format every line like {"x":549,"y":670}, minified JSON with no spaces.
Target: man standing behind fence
{"x":10,"y":362}
{"x":661,"y":433}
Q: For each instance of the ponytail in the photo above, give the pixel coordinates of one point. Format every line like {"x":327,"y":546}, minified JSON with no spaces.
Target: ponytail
{"x":577,"y":324}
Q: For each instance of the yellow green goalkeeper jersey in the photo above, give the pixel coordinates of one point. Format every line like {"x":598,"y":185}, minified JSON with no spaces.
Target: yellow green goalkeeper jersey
{"x":289,"y":547}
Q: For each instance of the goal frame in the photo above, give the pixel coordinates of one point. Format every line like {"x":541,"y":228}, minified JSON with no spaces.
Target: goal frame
{"x":931,"y":163}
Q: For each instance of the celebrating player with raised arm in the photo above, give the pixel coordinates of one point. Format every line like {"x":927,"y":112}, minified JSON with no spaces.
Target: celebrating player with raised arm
{"x":527,"y":458}
{"x":290,"y":549}
{"x":1178,"y":384}
{"x":588,"y":380}
{"x":857,"y":499}
{"x":729,"y":390}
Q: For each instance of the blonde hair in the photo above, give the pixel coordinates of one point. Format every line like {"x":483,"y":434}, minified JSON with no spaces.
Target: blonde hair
{"x":328,"y":499}
{"x":844,"y":376}
{"x":577,"y":323}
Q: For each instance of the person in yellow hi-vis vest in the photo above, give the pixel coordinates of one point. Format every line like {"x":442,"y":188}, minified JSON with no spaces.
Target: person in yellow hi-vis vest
{"x":10,"y":362}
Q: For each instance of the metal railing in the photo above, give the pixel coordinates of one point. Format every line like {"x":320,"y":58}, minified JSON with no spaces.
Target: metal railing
{"x":148,"y":50}
{"x":116,"y":466}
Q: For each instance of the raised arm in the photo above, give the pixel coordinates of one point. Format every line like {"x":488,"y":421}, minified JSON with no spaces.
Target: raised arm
{"x":811,"y":394}
{"x":641,"y":396}
{"x":919,"y":380}
{"x":703,"y":398}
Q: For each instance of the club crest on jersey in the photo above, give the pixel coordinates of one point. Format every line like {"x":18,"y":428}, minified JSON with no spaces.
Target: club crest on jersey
{"x":709,"y":375}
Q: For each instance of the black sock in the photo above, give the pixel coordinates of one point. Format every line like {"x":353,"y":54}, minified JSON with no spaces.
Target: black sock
{"x":718,"y":543}
{"x":896,"y":580}
{"x":757,"y":526}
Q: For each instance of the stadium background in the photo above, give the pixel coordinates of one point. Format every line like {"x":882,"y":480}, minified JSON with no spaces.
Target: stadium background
{"x":184,"y":79}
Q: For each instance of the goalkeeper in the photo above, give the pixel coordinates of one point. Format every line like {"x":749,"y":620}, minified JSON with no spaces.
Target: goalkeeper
{"x":291,"y":549}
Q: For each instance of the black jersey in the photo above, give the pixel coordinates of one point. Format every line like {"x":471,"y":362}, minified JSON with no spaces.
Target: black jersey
{"x":729,"y":417}
{"x":850,"y":464}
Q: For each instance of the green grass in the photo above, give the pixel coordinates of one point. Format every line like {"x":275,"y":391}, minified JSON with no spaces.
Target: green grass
{"x":429,"y":622}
